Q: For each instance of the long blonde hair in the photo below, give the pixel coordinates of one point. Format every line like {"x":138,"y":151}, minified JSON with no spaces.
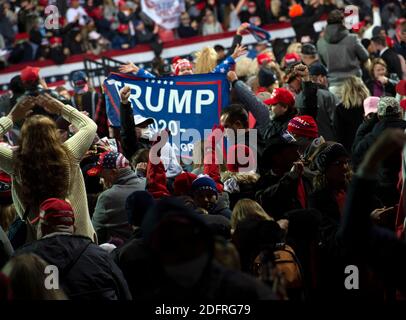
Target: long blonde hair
{"x":354,"y":92}
{"x":206,"y":60}
{"x":247,"y":208}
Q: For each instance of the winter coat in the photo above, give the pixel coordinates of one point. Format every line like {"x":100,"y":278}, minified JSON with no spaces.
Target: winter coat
{"x":389,"y":89}
{"x":342,"y":53}
{"x":388,"y":174}
{"x":382,"y":251}
{"x":326,"y":105}
{"x":86,"y":271}
{"x":346,"y":123}
{"x":110,"y":217}
{"x":278,"y":195}
{"x":149,"y":280}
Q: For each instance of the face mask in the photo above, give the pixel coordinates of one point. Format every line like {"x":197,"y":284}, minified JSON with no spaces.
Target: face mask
{"x":147,"y":133}
{"x":188,"y":274}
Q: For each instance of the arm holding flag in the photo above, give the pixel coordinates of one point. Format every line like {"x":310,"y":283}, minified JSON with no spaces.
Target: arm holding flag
{"x":127,"y":131}
{"x":156,"y":175}
{"x":225,"y":66}
{"x":211,"y":163}
{"x":132,"y":68}
{"x":238,"y":37}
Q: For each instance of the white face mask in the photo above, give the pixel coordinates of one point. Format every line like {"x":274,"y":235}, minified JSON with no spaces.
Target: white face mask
{"x":147,"y":133}
{"x":189,"y":273}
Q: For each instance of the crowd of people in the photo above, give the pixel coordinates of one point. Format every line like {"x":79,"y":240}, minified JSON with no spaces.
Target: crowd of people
{"x":95,"y":26}
{"x":326,"y":190}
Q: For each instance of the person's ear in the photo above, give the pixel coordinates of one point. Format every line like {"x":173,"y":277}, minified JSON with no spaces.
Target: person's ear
{"x":239,"y":125}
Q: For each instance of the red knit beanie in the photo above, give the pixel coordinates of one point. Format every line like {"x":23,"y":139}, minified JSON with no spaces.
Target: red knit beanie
{"x":304,"y":126}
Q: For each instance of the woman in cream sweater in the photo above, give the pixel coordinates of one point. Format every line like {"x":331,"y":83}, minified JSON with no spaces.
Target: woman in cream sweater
{"x":42,"y":167}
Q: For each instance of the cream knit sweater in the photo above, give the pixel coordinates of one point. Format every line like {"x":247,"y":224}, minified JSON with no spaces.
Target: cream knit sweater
{"x":77,"y":145}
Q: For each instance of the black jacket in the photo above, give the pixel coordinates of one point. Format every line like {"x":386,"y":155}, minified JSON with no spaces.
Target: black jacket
{"x":278,"y":195}
{"x":393,"y":62}
{"x":86,"y":271}
{"x":148,"y":279}
{"x":388,"y":174}
{"x":379,"y":248}
{"x":346,"y":123}
{"x":359,"y":149}
{"x":400,"y":47}
{"x":139,"y":267}
{"x":389,"y":89}
{"x":187,"y":32}
{"x":333,"y":257}
{"x":326,"y":106}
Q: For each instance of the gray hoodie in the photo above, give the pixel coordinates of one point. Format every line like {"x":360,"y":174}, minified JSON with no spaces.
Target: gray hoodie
{"x":342,"y":53}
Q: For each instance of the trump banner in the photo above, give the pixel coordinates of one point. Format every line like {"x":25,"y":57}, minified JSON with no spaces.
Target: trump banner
{"x":185,"y":105}
{"x":166,"y":13}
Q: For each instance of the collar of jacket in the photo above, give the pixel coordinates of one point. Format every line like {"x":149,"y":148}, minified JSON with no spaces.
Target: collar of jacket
{"x":320,"y":86}
{"x":124,"y":175}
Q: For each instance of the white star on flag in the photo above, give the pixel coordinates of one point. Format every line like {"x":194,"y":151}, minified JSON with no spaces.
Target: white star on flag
{"x":222,"y":70}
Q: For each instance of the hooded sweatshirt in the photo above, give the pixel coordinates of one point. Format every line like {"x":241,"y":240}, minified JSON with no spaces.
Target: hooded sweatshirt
{"x":342,"y":53}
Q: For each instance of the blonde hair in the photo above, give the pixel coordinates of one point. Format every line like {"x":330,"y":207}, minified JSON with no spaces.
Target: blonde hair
{"x":246,"y":208}
{"x":377,"y":61}
{"x":206,"y":60}
{"x":8,"y":214}
{"x":295,"y":47}
{"x":354,"y":92}
{"x":245,"y":67}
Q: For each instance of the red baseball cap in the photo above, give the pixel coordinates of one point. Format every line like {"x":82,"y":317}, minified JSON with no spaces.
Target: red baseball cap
{"x":292,"y":58}
{"x":263,"y":58}
{"x":29,"y":74}
{"x":281,"y":95}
